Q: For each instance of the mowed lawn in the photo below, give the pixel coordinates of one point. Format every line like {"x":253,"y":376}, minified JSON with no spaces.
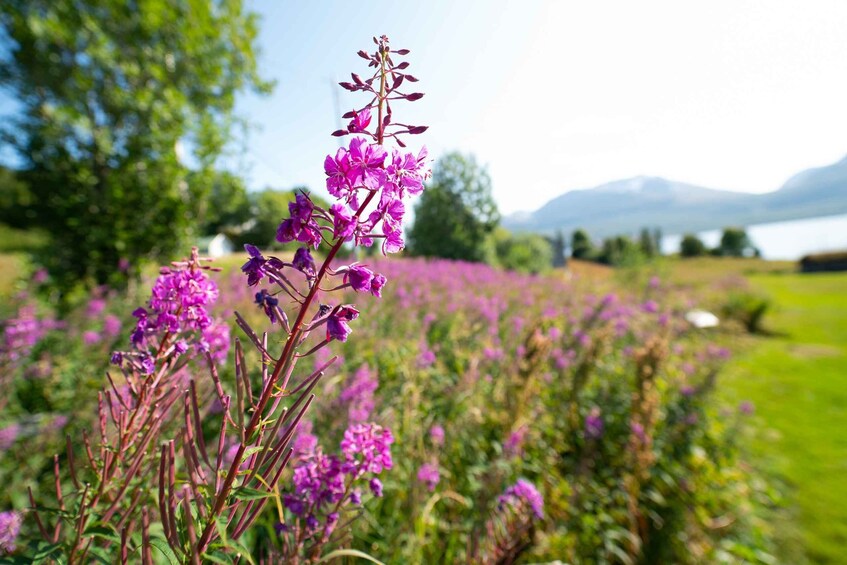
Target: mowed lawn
{"x":797,"y":379}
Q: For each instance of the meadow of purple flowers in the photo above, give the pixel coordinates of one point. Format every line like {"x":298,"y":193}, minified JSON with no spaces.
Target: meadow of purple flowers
{"x":412,"y":411}
{"x":463,"y":386}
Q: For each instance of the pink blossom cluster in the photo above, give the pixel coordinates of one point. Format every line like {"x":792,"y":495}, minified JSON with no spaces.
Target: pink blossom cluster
{"x":362,"y":167}
{"x":10,"y":527}
{"x":323,"y":484}
{"x":366,"y":449}
{"x":521,"y":496}
{"x":359,"y":394}
{"x":370,"y":187}
{"x":177,"y":317}
{"x":24,"y":331}
{"x":179,"y":302}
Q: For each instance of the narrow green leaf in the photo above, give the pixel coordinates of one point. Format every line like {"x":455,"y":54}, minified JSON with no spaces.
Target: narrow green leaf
{"x":240,"y":549}
{"x":247,"y":493}
{"x":348,"y":553}
{"x":218,"y":557}
{"x":162,"y":545}
{"x":102,"y":530}
{"x":46,"y":552}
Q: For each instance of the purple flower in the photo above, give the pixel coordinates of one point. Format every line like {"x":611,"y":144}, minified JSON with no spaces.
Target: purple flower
{"x":406,"y":173}
{"x":514,"y":443}
{"x":10,"y":527}
{"x":331,"y":522}
{"x":746,"y":408}
{"x":360,"y":278}
{"x":717,"y":352}
{"x":366,"y":449}
{"x":359,"y":395}
{"x":40,"y":276}
{"x":436,"y":435}
{"x":9,"y":435}
{"x":305,"y":442}
{"x":254,"y":268}
{"x":376,"y":285}
{"x":366,"y":162}
{"x":90,"y":337}
{"x":336,"y":324}
{"x":301,"y":226}
{"x":117,"y":358}
{"x":356,"y":497}
{"x":179,"y":301}
{"x":304,"y":262}
{"x":426,"y":358}
{"x":317,"y":481}
{"x":337,"y":171}
{"x":148,"y":365}
{"x":651,"y":307}
{"x":428,"y":474}
{"x":23,"y":332}
{"x":111,"y":325}
{"x":360,"y":121}
{"x":637,"y":430}
{"x":393,"y":242}
{"x":594,"y":424}
{"x":95,"y":307}
{"x":493,"y":353}
{"x":267,"y":302}
{"x":523,"y":493}
{"x":376,"y":487}
{"x":343,"y":221}
{"x":215,"y":340}
{"x":57,"y":423}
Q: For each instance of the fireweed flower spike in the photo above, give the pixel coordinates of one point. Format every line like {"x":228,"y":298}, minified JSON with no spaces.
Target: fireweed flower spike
{"x":523,"y":495}
{"x":370,"y":182}
{"x":152,"y":416}
{"x":511,"y":528}
{"x":137,"y":412}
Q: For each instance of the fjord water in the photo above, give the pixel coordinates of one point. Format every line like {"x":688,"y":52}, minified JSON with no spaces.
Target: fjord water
{"x":788,"y":240}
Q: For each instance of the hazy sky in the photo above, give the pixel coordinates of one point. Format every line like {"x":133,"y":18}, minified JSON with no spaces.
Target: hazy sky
{"x":554,"y":96}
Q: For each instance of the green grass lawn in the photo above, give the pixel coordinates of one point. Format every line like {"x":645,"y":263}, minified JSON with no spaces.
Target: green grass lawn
{"x":798,"y":382}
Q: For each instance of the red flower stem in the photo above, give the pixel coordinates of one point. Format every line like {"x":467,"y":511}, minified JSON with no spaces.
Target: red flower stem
{"x":288,"y":350}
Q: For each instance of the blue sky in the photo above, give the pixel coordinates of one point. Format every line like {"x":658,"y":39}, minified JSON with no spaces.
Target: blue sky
{"x":555,"y":95}
{"x":459,"y":51}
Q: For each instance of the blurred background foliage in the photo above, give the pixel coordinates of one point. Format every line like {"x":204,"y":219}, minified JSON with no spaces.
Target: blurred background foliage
{"x":124,"y":112}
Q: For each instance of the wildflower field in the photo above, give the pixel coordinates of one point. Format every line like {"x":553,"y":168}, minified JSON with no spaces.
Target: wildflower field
{"x":342,"y":402}
{"x":599,"y":401}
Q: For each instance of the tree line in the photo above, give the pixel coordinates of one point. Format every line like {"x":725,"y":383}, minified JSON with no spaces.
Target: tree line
{"x":123,"y":118}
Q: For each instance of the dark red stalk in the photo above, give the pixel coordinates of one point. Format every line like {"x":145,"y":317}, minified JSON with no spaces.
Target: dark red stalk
{"x":286,"y":356}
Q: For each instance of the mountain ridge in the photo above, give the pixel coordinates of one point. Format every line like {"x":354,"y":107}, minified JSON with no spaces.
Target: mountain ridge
{"x":627,"y":205}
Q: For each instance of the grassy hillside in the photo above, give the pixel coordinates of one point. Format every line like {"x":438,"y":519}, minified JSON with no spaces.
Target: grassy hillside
{"x":797,"y":379}
{"x":798,"y":382}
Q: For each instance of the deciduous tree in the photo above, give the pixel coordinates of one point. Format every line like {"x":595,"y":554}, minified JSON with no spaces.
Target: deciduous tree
{"x":456,"y":212}
{"x":110,"y":94}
